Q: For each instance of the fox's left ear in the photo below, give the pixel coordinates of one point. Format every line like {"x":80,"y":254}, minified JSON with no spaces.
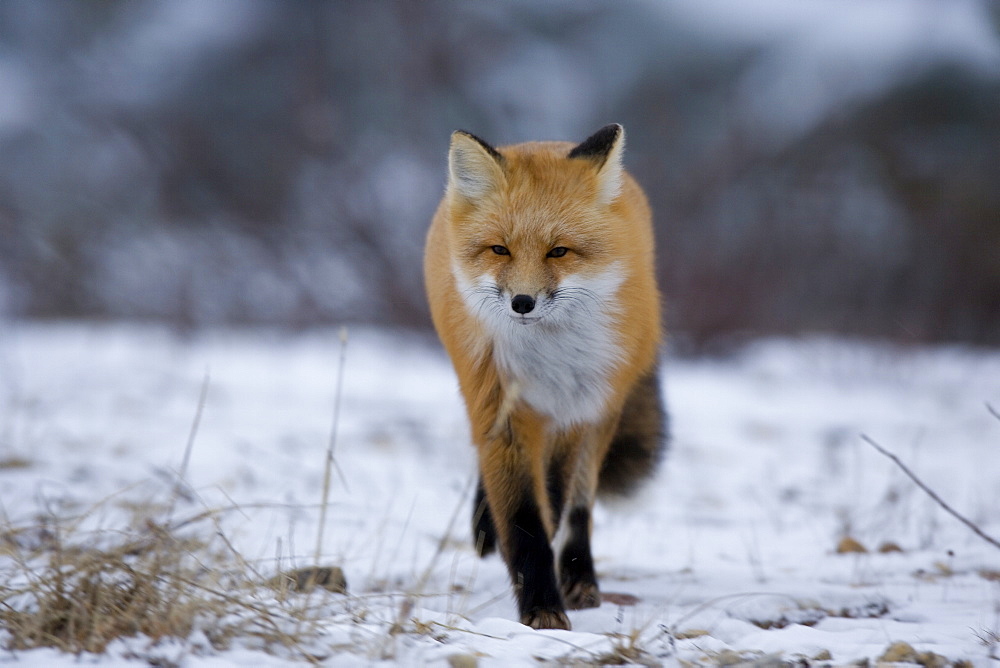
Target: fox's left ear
{"x":605,"y":148}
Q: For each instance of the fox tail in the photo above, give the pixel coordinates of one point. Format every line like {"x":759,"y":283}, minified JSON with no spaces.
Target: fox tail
{"x":640,"y":441}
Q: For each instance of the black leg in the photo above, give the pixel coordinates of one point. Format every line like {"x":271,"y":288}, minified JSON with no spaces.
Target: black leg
{"x":531,"y":563}
{"x":555,"y":484}
{"x":484,"y":532}
{"x":576,"y":565}
{"x":516,"y":490}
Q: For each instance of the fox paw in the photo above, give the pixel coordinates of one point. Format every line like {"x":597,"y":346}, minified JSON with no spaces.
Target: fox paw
{"x":581,"y":594}
{"x":546,"y":619}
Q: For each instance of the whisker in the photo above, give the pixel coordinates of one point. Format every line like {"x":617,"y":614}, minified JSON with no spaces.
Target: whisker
{"x":483,"y":298}
{"x":583,"y":298}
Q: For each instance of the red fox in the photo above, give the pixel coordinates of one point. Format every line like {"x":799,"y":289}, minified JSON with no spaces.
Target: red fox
{"x":539,"y":270}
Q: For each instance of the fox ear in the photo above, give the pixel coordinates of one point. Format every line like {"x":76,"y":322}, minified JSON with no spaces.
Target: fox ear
{"x":605,"y":148}
{"x":474,"y":167}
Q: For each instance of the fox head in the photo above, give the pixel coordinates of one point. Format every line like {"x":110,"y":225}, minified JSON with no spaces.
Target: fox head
{"x":539,"y":231}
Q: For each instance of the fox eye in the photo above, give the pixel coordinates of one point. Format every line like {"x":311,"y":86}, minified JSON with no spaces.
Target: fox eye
{"x":558,"y":251}
{"x":500,"y":250}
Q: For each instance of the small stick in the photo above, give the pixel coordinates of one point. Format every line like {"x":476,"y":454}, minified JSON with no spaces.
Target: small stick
{"x":930,"y":492}
{"x":336,"y":409}
{"x":992,"y":411}
{"x":331,"y":463}
{"x":203,"y":395}
{"x":179,"y":484}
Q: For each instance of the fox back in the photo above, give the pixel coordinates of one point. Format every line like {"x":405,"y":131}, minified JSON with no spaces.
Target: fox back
{"x":540,"y":275}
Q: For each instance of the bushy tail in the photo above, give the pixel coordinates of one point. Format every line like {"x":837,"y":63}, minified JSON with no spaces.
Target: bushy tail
{"x":640,"y":441}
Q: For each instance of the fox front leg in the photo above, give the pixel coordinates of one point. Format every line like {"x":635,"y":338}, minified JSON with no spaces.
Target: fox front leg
{"x":578,"y":582}
{"x":524,"y":533}
{"x":577,"y":579}
{"x":484,"y":531}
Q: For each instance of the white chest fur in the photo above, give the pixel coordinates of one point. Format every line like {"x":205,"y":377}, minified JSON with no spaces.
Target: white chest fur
{"x":560,"y":363}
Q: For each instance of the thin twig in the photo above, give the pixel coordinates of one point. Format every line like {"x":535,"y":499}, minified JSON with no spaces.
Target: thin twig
{"x":341,"y":363}
{"x":202,"y":396}
{"x":443,"y":542}
{"x":930,"y":492}
{"x":330,"y":461}
{"x":993,"y":411}
{"x":182,"y":474}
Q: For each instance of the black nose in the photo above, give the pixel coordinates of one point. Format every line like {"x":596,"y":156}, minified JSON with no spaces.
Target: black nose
{"x":522,"y":304}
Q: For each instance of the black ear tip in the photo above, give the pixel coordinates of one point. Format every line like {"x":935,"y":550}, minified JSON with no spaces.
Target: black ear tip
{"x":599,"y":144}
{"x":615,"y":128}
{"x":482,"y":142}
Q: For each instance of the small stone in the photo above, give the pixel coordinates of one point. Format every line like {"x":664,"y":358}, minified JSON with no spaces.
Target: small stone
{"x":889,"y":546}
{"x":931,"y":660}
{"x":15,"y":463}
{"x":304,"y":580}
{"x":619,"y":598}
{"x":848,"y":545}
{"x":899,"y":652}
{"x":462,"y":661}
{"x":823,"y":655}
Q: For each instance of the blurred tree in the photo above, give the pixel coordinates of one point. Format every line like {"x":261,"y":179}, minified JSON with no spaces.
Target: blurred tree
{"x":213,"y":161}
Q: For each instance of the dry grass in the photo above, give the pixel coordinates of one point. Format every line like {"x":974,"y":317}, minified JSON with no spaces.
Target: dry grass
{"x":80,"y":591}
{"x":157,"y":579}
{"x":159,"y":587}
{"x":80,"y":599}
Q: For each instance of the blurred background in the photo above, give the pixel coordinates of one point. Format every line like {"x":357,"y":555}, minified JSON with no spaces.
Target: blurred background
{"x":814,"y":166}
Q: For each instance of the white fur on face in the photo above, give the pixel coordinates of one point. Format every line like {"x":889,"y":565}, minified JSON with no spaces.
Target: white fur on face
{"x":560,"y":356}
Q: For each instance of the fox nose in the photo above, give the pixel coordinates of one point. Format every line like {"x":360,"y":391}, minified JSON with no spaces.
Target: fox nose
{"x":522,"y":304}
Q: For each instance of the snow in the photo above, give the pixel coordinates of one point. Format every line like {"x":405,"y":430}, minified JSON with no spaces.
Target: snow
{"x":730,"y":550}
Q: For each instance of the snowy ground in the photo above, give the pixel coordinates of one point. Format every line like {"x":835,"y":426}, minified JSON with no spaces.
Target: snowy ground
{"x":731,"y":552}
